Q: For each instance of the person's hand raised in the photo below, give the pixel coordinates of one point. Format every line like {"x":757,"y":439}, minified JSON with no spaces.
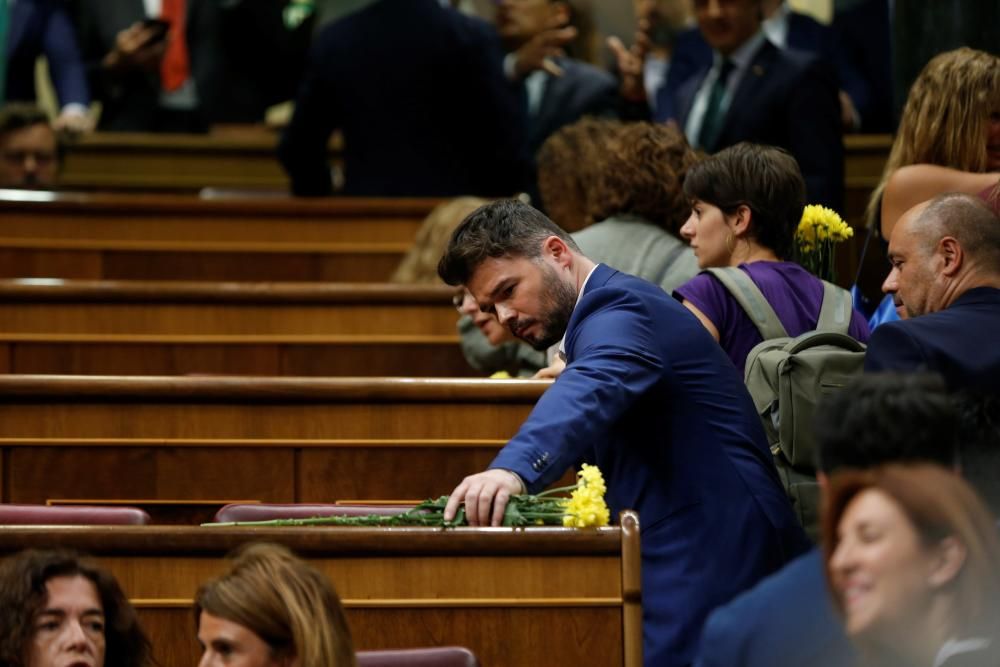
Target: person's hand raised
{"x":537,"y":53}
{"x":137,"y":47}
{"x":630,"y":60}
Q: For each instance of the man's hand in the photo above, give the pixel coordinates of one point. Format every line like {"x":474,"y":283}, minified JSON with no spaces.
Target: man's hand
{"x":485,"y":495}
{"x":136,"y":48}
{"x":539,"y":51}
{"x":552,"y":371}
{"x":73,"y":122}
{"x":630,"y":60}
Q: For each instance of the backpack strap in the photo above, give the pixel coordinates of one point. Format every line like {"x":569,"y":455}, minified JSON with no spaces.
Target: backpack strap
{"x":835,"y":313}
{"x":752,"y":300}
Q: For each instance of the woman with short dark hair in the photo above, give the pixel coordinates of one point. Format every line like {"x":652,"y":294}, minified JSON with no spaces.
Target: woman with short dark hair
{"x":746,"y":204}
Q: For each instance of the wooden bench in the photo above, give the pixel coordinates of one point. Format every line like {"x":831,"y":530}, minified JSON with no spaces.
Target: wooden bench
{"x":284,"y":355}
{"x":164,"y":237}
{"x":266,"y":439}
{"x":554,"y":596}
{"x":225,"y":309}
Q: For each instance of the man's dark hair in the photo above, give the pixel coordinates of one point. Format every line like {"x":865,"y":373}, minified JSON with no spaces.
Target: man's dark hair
{"x":766,"y":179}
{"x":887,"y":418}
{"x":23,"y":596}
{"x":18,"y":115}
{"x":505,"y":228}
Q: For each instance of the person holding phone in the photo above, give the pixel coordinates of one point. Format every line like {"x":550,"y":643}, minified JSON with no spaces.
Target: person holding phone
{"x":153,"y":64}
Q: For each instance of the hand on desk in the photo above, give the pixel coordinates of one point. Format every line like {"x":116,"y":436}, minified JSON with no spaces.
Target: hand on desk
{"x":485,"y":495}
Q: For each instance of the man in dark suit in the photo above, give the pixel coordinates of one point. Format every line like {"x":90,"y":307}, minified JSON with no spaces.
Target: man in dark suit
{"x":419,"y":94}
{"x":788,"y":620}
{"x":945,"y":280}
{"x":555,"y":90}
{"x":754,"y":91}
{"x":125,"y":65}
{"x":647,"y":396}
{"x":43,"y":27}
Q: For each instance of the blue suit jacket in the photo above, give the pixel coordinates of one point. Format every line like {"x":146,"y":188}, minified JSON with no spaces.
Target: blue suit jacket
{"x":419,"y":93}
{"x":43,"y":27}
{"x":649,"y":397}
{"x":959,"y":342}
{"x":864,"y":62}
{"x":787,"y":620}
{"x":789,"y":99}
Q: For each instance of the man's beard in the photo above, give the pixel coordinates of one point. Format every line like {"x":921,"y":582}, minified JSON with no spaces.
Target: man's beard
{"x":557,"y":304}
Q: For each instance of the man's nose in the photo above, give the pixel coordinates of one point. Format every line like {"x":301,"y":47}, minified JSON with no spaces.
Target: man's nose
{"x":29,"y":164}
{"x":712,"y":7}
{"x":504,"y":313}
{"x":76,"y":637}
{"x":891,"y":283}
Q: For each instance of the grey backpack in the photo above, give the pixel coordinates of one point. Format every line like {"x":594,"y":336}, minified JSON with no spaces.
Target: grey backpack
{"x":788,"y":377}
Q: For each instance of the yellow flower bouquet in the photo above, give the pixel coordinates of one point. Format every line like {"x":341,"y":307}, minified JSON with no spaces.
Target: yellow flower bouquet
{"x":585,"y":507}
{"x":818,"y":233}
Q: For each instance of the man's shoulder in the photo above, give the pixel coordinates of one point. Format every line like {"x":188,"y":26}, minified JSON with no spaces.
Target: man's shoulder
{"x":784,"y":619}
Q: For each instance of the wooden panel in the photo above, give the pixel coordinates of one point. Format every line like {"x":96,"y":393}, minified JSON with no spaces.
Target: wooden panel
{"x":560,"y":590}
{"x":40,"y":407}
{"x":196,"y":308}
{"x":245,"y":355}
{"x":42,"y":473}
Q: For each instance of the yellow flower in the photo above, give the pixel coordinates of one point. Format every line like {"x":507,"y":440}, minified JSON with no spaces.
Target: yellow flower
{"x":586,"y":506}
{"x":820,"y":223}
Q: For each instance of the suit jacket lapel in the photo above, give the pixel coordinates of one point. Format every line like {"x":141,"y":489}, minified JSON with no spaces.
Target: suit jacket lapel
{"x":556,"y":89}
{"x":686,"y":92}
{"x":748,"y":89}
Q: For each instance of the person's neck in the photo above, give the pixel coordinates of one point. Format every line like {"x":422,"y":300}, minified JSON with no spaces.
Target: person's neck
{"x":747,"y":252}
{"x":968,"y":280}
{"x":769,"y":7}
{"x":582,"y":266}
{"x":918,"y":641}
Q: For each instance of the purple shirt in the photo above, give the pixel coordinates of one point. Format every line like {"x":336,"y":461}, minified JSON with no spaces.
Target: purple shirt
{"x":795,"y":294}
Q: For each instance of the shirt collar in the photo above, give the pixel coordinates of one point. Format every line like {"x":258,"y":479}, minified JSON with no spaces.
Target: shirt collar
{"x":741,"y":57}
{"x":776,"y":27}
{"x":583,"y":288}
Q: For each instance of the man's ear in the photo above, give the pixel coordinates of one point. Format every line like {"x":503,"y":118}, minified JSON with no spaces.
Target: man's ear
{"x":555,"y":248}
{"x":740,"y":220}
{"x":948,"y":560}
{"x":952,"y":255}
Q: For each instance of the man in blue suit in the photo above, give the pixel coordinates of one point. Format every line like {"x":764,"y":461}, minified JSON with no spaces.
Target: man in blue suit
{"x":43,"y":27}
{"x":788,"y":619}
{"x":750,"y":90}
{"x":649,"y":398}
{"x":945,"y":279}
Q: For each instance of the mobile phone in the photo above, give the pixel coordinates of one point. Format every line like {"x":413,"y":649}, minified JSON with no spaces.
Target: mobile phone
{"x":158,"y":29}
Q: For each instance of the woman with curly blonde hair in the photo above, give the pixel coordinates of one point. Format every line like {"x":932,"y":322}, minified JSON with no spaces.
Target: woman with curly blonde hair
{"x":419,"y":265}
{"x":948,"y":137}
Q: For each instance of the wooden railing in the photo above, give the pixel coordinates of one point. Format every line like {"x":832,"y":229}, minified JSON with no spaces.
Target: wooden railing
{"x":539,"y":596}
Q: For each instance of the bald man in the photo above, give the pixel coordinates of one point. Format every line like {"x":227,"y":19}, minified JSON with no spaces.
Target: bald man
{"x":945,"y":279}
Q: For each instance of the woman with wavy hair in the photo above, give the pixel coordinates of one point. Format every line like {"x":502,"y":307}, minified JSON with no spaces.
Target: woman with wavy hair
{"x":271,"y":609}
{"x":912,"y":556}
{"x":57,"y":608}
{"x":948,"y":138}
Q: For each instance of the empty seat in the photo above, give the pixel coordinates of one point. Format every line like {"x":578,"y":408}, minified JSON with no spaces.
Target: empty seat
{"x":444,"y":656}
{"x":266,"y":512}
{"x":76,"y":515}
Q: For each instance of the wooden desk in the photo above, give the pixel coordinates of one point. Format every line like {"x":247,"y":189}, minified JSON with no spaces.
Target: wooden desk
{"x":268,"y":439}
{"x":225,"y":309}
{"x":285,"y":355}
{"x":553,"y":596}
{"x":171,"y":237}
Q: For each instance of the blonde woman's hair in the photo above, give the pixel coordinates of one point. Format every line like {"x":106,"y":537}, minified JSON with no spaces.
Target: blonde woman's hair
{"x":419,"y":265}
{"x":289,"y":604}
{"x":945,"y":116}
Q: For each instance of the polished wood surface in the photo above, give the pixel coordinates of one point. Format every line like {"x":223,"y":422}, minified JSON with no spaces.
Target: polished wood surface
{"x":225,"y":309}
{"x":327,"y":356}
{"x":171,"y":237}
{"x":548,"y":596}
